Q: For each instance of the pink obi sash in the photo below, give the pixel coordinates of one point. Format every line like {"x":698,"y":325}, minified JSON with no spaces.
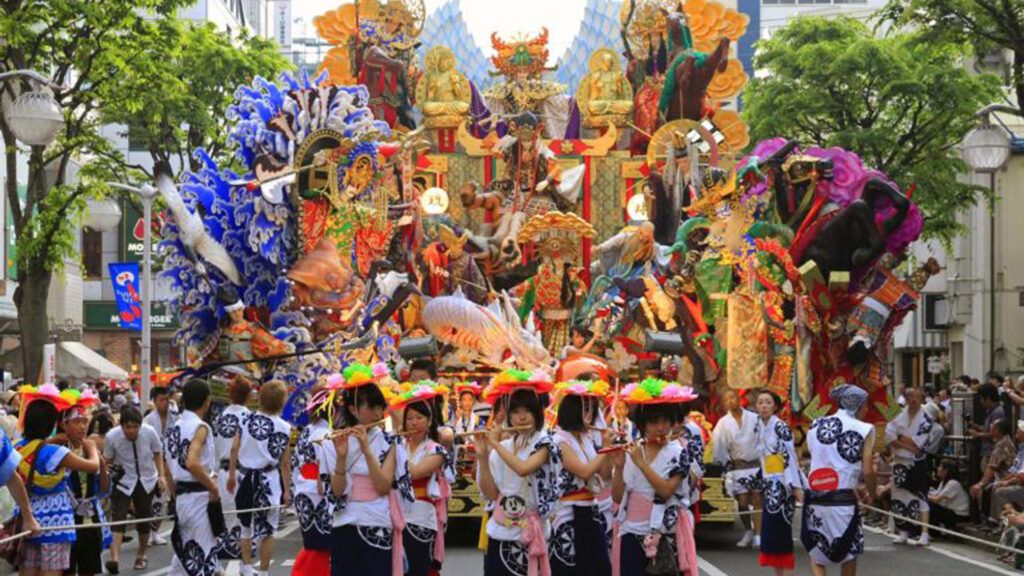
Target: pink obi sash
{"x":363,"y":491}
{"x":531,"y":535}
{"x":441,"y":510}
{"x":638,"y":509}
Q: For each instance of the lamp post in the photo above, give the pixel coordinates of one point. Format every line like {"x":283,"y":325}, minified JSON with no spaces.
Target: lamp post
{"x":146,"y":193}
{"x":34,"y":116}
{"x":986,"y":150}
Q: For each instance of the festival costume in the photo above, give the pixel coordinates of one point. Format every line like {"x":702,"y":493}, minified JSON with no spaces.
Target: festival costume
{"x":579,"y":530}
{"x":90,"y":541}
{"x":735,"y":444}
{"x":645,"y":520}
{"x":427,"y":517}
{"x":366,"y":528}
{"x":312,"y":508}
{"x":780,"y":473}
{"x":153,"y":419}
{"x":911,"y":473}
{"x":517,"y":534}
{"x":227,"y":425}
{"x":48,"y":492}
{"x":264,"y":442}
{"x":831,"y":528}
{"x":193,"y":539}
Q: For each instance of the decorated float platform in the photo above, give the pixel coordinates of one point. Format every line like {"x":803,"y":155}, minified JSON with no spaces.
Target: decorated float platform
{"x":417,"y":197}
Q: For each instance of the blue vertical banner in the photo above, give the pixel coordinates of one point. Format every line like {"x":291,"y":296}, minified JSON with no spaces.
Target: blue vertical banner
{"x":125,"y":278}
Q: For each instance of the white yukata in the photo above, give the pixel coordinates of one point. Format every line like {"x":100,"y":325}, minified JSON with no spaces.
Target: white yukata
{"x":735,"y":443}
{"x":911,"y":473}
{"x":831,"y":527}
{"x":264,"y":442}
{"x":693,"y":442}
{"x":195,"y":545}
{"x":644,"y":517}
{"x":604,"y":497}
{"x":579,"y":529}
{"x":371,"y":518}
{"x":521,"y":505}
{"x":161,"y":426}
{"x":463,"y":424}
{"x":227,"y":425}
{"x":422,"y":523}
{"x":309,"y":486}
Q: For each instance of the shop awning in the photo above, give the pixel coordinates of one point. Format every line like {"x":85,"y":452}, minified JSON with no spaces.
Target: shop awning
{"x":75,"y":361}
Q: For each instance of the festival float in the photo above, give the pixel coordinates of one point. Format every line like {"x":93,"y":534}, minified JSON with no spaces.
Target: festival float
{"x":416,"y":196}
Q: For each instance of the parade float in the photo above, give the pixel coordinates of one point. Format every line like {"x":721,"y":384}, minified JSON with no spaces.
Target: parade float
{"x":604,"y":214}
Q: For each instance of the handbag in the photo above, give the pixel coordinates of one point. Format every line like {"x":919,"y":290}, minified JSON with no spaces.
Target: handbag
{"x":12,"y":551}
{"x":664,"y":562}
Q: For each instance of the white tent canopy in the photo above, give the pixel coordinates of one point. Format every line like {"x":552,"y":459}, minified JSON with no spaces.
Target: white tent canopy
{"x":75,"y":361}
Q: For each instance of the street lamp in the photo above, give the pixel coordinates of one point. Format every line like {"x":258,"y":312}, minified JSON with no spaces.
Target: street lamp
{"x":146,"y":193}
{"x":35,"y":116}
{"x":986,"y":149}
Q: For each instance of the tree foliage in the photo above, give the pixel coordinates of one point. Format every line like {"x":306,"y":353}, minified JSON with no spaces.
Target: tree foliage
{"x":986,"y":25}
{"x":175,"y":97}
{"x":901,"y":102}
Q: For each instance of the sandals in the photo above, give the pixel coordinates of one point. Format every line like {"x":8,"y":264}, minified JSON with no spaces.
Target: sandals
{"x":111,"y":567}
{"x":141,"y":563}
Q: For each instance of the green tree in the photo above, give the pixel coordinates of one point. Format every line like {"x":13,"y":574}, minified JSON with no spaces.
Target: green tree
{"x":175,"y":98}
{"x":986,"y":25}
{"x":901,"y":102}
{"x":82,"y":45}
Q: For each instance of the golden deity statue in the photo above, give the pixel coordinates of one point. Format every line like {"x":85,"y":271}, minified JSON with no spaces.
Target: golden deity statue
{"x":443,"y":93}
{"x":604,"y":95}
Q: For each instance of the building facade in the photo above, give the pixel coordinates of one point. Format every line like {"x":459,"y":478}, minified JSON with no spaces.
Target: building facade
{"x":97,"y":317}
{"x":776,"y":13}
{"x":985,"y":275}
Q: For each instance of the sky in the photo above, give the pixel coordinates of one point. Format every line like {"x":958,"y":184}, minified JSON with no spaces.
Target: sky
{"x":507,"y":17}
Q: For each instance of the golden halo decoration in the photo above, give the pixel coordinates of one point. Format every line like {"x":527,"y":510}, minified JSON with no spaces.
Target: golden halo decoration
{"x":648,"y":19}
{"x":596,"y":56}
{"x":727,"y":123}
{"x":556,"y":231}
{"x":412,"y":13}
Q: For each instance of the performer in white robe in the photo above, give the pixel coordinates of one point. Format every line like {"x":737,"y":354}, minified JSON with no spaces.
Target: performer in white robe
{"x":260,"y":474}
{"x":432,"y":473}
{"x":654,"y":523}
{"x":226,"y":426}
{"x":735,"y":446}
{"x":197,"y":499}
{"x":693,"y":442}
{"x":519,"y":474}
{"x":370,"y":483}
{"x":579,"y":534}
{"x":783,"y":484}
{"x":840,"y":446}
{"x":308,"y":489}
{"x":913,"y":436}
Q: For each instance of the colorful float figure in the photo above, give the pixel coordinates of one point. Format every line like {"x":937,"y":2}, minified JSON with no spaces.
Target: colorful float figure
{"x":404,"y":194}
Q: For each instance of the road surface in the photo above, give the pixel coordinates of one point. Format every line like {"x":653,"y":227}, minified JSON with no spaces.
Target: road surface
{"x":717,"y":555}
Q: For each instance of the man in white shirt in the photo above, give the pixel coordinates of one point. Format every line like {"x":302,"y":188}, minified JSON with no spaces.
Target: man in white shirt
{"x":735,"y":445}
{"x":134,"y":453}
{"x":160,"y":418}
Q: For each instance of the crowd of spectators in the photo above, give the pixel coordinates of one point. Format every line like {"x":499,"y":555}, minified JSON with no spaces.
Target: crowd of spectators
{"x":976,"y":470}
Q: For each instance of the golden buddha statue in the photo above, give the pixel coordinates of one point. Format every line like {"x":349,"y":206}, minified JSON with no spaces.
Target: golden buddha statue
{"x":604,"y":95}
{"x":443,"y":93}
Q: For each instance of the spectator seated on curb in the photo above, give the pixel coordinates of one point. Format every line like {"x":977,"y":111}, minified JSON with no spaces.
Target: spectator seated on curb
{"x":949,"y":503}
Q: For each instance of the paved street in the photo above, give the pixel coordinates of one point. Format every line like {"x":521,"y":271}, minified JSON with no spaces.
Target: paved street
{"x":718,"y":556}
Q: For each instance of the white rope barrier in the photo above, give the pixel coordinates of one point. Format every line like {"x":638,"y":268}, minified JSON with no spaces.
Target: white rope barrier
{"x":14,"y":537}
{"x":931,"y":527}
